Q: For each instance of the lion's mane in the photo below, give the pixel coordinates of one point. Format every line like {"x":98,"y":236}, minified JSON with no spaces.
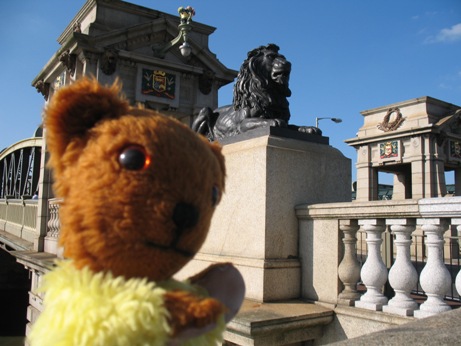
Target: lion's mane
{"x":252,"y":88}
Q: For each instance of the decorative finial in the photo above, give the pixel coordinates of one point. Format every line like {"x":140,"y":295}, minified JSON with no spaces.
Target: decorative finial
{"x":186,"y":14}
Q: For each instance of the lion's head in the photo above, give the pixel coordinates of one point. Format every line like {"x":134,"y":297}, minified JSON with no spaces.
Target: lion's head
{"x":263,"y":82}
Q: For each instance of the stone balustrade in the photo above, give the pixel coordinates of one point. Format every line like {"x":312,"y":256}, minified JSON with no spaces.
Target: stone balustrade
{"x":331,"y":253}
{"x":342,"y":221}
{"x":320,"y":224}
{"x":18,"y":222}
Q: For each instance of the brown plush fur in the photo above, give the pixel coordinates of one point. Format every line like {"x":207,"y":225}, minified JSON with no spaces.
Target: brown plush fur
{"x":120,"y":220}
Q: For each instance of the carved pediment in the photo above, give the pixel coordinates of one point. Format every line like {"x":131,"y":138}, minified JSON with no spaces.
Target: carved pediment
{"x":108,"y":42}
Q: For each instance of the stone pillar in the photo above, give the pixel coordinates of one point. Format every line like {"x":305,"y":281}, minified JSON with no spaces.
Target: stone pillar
{"x":44,"y":193}
{"x":435,"y":278}
{"x":439,"y":188}
{"x":458,"y":182}
{"x":349,"y":268}
{"x":417,"y":179}
{"x":398,"y":191}
{"x":374,"y":272}
{"x":367,"y":177}
{"x":402,"y":276}
{"x":255,"y":225}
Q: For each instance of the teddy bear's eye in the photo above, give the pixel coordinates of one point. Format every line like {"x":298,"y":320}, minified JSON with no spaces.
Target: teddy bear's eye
{"x":134,"y":158}
{"x":214,"y":195}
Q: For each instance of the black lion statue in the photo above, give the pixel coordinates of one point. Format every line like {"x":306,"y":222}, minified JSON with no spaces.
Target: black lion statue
{"x":260,"y":98}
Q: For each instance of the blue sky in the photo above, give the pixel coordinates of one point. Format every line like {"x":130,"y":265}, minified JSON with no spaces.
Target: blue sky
{"x":347,"y":56}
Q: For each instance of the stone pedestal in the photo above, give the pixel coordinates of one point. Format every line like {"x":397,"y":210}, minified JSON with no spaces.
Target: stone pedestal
{"x":255,"y":226}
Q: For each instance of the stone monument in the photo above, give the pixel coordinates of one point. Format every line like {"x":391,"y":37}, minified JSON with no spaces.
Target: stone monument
{"x":260,"y":98}
{"x":272,"y":166}
{"x":417,"y":140}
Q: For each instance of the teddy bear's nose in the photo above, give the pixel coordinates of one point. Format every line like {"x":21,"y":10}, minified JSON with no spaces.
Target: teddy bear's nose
{"x":185,"y":215}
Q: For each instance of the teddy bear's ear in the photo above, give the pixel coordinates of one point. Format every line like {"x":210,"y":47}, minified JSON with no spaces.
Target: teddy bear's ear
{"x":75,"y":109}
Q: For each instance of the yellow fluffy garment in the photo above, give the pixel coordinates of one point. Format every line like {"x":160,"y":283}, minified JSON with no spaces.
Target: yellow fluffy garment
{"x":86,"y":308}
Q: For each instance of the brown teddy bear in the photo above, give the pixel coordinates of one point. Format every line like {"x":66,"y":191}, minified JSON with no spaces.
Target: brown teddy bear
{"x":139,"y":190}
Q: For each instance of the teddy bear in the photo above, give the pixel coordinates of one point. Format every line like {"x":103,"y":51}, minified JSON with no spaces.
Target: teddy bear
{"x":139,"y":189}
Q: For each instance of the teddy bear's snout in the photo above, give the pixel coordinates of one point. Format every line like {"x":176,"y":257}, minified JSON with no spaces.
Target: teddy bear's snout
{"x":185,"y":216}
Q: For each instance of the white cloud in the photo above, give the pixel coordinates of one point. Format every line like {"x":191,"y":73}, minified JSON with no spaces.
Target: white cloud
{"x":446,"y":35}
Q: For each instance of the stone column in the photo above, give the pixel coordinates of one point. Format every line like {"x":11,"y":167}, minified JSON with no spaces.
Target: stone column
{"x":374,"y":272}
{"x":349,"y":268}
{"x":399,"y":186}
{"x":435,"y":278}
{"x":402,"y":276}
{"x":367,"y":177}
{"x":419,"y":168}
{"x":417,"y":179}
{"x":438,"y":184}
{"x":458,"y":182}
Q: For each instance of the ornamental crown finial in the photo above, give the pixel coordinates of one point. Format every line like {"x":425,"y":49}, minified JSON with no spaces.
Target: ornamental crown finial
{"x":186,"y":14}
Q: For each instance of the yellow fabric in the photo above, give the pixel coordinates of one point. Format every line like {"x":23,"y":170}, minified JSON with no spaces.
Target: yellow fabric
{"x":86,"y":308}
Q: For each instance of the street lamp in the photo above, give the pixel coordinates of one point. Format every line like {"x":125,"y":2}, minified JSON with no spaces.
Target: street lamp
{"x":185,"y":15}
{"x":336,"y":120}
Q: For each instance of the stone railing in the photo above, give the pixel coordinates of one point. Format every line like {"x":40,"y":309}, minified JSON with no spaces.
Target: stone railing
{"x":330,"y":232}
{"x":18,"y":218}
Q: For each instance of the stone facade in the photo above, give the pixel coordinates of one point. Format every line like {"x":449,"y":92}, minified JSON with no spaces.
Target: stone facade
{"x":116,"y":40}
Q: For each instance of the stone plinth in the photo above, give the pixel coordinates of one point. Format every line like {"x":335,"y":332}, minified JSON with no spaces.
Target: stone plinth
{"x":255,"y":226}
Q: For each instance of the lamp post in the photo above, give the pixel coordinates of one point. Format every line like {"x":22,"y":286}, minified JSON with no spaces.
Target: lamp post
{"x":185,"y":15}
{"x":336,"y":120}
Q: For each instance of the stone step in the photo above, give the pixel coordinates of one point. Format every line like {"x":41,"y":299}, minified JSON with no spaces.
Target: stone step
{"x":277,"y":323}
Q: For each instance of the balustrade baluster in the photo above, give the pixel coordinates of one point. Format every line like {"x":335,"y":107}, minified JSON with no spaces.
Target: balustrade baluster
{"x":435,"y":278}
{"x":457,"y":222}
{"x":349,"y":268}
{"x":374,"y":272}
{"x":53,"y":222}
{"x":402,"y":275}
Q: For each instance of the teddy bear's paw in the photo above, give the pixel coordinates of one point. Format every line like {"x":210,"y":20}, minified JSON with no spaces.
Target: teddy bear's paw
{"x":190,"y":314}
{"x":225,"y":283}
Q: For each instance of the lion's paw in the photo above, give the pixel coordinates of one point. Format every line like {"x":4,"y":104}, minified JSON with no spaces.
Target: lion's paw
{"x":311,"y":130}
{"x":278,"y":123}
